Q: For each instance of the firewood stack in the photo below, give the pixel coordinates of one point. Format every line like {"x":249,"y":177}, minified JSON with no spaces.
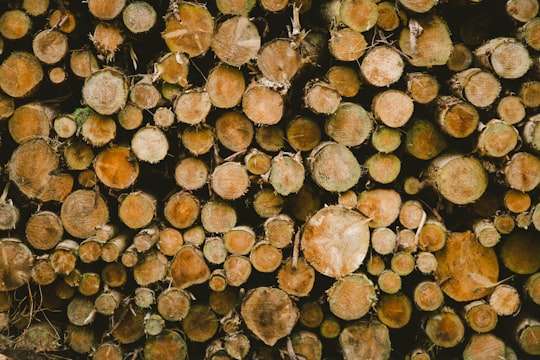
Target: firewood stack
{"x":272,"y":179}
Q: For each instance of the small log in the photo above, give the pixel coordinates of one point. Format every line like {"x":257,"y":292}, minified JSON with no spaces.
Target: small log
{"x":456,"y":117}
{"x":529,"y":33}
{"x":383,"y":168}
{"x":150,"y":144}
{"x":168,"y":343}
{"x":344,"y":79}
{"x":394,"y":310}
{"x":195,"y":235}
{"x":389,"y":282}
{"x":170,"y":241}
{"x":89,"y":283}
{"x":522,"y":10}
{"x":44,"y":230}
{"x":480,"y":316}
{"x":345,"y":44}
{"x":350,"y":125}
{"x":321,"y":98}
{"x":257,"y":162}
{"x":279,"y":60}
{"x":64,"y":257}
{"x":31,"y":120}
{"x":511,"y":109}
{"x":237,"y":345}
{"x":50,"y":46}
{"x":98,"y":130}
{"x":107,"y":302}
{"x":137,"y":209}
{"x":428,"y":296}
{"x":198,"y":140}
{"x":218,"y":217}
{"x":318,"y":236}
{"x":385,"y":139}
{"x":20,"y":74}
{"x":506,"y":56}
{"x":173,"y":304}
{"x":383,"y":240}
{"x":7,"y":106}
{"x":106,"y":10}
{"x":234,"y":131}
{"x":432,"y":236}
{"x":296,"y":278}
{"x":144,"y":94}
{"x":354,"y":286}
{"x":173,"y":68}
{"x":222,"y":302}
{"x":105,"y":91}
{"x":90,"y":250}
{"x":192,"y":106}
{"x":218,"y":280}
{"x":262,"y":105}
{"x":130,"y":324}
{"x":519,"y":252}
{"x":497,"y":139}
{"x":139,"y":17}
{"x":83,"y":63}
{"x":188,"y":268}
{"x":163,"y":117}
{"x":424,"y":140}
{"x":381,"y":206}
{"x":225,"y":85}
{"x":422,"y":87}
{"x":532,"y":288}
{"x":444,"y":328}
{"x":42,"y":272}
{"x":81,"y":311}
{"x":334,"y":167}
{"x":114,"y":274}
{"x":130,"y":257}
{"x":485,"y":344}
{"x":478,"y":87}
{"x":15,"y":24}
{"x":269,"y":313}
{"x":107,"y":39}
{"x":214,"y":250}
{"x":144,"y":297}
{"x":239,"y":240}
{"x":108,"y":351}
{"x":64,"y":125}
{"x":189,"y":29}
{"x":379,"y":76}
{"x":39,"y":337}
{"x":238,"y":269}
{"x":459,"y":179}
{"x":286,"y":174}
{"x":229,"y":180}
{"x":82,"y":212}
{"x":236,"y":40}
{"x":365,"y":340}
{"x":461,"y":57}
{"x":130,"y":117}
{"x":392,"y":107}
{"x":402,"y":263}
{"x":426,"y":262}
{"x":35,"y":7}
{"x":112,"y":250}
{"x":389,"y":17}
{"x":528,"y":93}
{"x":527,"y":335}
{"x":311,"y":314}
{"x":265,"y":257}
{"x":200,"y":324}
{"x":482,"y":265}
{"x":151,"y":268}
{"x":426,"y":41}
{"x":522,"y":171}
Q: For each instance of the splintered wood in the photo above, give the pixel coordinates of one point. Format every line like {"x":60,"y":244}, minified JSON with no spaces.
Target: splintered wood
{"x":272,"y":179}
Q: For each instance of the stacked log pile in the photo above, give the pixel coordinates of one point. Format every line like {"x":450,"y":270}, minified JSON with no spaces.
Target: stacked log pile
{"x":272,"y":179}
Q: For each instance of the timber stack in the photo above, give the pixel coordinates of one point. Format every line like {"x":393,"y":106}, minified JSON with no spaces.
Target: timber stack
{"x":272,"y":179}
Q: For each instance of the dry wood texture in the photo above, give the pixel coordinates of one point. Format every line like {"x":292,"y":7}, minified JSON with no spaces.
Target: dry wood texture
{"x":272,"y":179}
